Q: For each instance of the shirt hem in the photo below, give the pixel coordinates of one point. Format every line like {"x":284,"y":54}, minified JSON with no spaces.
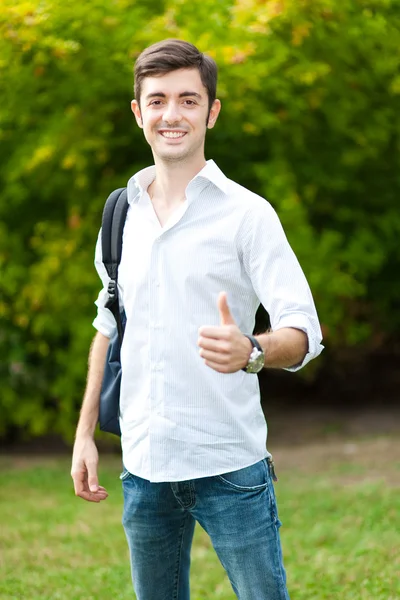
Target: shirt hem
{"x":202,"y":475}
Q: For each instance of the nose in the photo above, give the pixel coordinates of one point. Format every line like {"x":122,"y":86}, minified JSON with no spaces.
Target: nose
{"x":172,"y":113}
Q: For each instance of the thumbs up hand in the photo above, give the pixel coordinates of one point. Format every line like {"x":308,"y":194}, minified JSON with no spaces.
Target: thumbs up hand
{"x":224,"y":348}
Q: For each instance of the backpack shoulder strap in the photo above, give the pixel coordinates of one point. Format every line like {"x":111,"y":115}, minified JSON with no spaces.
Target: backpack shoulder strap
{"x":112,"y":227}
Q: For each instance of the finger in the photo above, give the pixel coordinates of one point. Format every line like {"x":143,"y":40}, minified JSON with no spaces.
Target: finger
{"x":221,"y":346}
{"x":218,"y":367}
{"x":216,"y":357}
{"x":224,"y":312}
{"x":92,"y":476}
{"x":92,"y":496}
{"x":217,"y":333}
{"x":86,"y":494}
{"x":81,"y":488}
{"x":79,"y":482}
{"x":100,"y":492}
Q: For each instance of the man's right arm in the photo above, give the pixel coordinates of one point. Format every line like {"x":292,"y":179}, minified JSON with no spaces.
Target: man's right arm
{"x":85,"y":455}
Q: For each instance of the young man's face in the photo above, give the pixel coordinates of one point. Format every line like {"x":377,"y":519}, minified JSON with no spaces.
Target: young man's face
{"x":173,"y":114}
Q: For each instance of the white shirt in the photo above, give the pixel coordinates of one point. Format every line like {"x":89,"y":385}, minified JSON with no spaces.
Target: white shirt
{"x":180,"y":419}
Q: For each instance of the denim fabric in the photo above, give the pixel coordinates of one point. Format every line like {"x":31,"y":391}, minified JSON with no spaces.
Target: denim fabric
{"x":238,"y":511}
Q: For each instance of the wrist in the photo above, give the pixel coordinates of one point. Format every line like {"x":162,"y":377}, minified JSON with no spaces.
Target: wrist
{"x":250,"y":350}
{"x":263,"y":339}
{"x":256,"y":359}
{"x":85,"y":432}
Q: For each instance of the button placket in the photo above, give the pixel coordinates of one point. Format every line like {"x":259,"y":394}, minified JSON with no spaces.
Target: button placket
{"x":156,"y":338}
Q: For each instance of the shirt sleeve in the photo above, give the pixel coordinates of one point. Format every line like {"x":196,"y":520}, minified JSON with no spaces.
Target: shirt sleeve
{"x":278,"y":279}
{"x":104,"y":321}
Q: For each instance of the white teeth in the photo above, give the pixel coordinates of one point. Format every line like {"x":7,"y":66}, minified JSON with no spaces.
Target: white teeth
{"x":172,"y":134}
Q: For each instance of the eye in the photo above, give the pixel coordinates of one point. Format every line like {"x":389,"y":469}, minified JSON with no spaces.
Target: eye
{"x":155,"y":103}
{"x":190,"y":102}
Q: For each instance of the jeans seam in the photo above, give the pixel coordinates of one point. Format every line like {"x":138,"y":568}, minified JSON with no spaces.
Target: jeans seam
{"x":277,"y":549}
{"x":192,"y":496}
{"x":178,"y":561}
{"x":243,"y":488}
{"x":278,"y":558}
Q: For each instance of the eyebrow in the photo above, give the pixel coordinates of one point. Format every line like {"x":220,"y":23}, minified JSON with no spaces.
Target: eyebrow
{"x":182,"y":95}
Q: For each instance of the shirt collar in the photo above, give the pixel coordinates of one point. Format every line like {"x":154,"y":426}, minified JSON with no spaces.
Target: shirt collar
{"x":139,"y":182}
{"x":212,"y":173}
{"x":142,"y":179}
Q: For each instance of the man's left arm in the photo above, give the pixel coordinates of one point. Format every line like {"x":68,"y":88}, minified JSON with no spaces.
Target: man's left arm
{"x":283,"y":349}
{"x":279,"y":282}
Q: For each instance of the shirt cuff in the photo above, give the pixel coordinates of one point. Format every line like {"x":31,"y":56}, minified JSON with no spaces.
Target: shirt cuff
{"x":302,"y":322}
{"x":104,"y":321}
{"x":99,"y":325}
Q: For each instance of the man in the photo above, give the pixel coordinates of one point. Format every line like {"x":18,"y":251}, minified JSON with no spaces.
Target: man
{"x":199,"y":254}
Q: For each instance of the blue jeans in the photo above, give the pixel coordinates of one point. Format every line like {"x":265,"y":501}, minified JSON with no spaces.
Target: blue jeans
{"x":237,"y":510}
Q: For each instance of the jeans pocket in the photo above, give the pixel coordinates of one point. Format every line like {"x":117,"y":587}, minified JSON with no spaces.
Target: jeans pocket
{"x":252,"y":478}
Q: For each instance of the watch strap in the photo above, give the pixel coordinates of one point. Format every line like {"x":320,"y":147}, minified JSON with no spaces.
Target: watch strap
{"x":255,"y":344}
{"x":254,"y":341}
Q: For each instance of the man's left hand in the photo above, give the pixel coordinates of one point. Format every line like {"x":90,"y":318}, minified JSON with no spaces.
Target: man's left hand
{"x":225,"y":349}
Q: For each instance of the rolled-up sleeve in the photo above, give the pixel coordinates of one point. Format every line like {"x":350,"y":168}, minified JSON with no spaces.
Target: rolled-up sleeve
{"x":104,"y":321}
{"x":278,"y":279}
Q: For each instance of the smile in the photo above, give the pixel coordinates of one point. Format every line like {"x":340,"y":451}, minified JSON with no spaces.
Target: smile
{"x":173,"y":134}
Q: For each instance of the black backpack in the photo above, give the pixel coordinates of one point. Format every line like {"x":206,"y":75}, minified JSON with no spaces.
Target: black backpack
{"x":113,"y":221}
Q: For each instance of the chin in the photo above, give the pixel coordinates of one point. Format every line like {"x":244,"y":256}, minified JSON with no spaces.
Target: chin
{"x":173,"y":156}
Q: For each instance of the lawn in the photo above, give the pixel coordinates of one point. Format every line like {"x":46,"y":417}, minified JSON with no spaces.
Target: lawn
{"x":339,"y":503}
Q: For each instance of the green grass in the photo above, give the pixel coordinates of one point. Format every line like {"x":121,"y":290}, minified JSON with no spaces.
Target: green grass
{"x":340,"y":536}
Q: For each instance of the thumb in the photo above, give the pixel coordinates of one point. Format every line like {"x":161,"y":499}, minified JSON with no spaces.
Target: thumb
{"x":224,"y":312}
{"x":92,"y":478}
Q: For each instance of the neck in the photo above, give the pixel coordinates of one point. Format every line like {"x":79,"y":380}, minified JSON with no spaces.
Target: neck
{"x":172,"y":179}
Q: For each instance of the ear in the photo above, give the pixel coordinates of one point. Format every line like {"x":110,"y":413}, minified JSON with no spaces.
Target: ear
{"x":136,"y":111}
{"x":214,"y":112}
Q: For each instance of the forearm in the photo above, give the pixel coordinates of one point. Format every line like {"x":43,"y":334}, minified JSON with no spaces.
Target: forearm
{"x":90,"y":407}
{"x":283,"y":348}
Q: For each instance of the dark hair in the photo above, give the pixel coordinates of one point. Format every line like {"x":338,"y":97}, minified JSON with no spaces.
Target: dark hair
{"x":170,"y":55}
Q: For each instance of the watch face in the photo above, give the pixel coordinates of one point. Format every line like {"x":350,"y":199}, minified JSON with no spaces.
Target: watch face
{"x":256,"y":364}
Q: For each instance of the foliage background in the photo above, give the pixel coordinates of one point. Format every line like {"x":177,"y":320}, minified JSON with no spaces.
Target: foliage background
{"x":311,"y":120}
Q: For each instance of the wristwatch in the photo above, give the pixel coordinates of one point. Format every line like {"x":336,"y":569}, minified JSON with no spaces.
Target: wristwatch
{"x":257,"y":356}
